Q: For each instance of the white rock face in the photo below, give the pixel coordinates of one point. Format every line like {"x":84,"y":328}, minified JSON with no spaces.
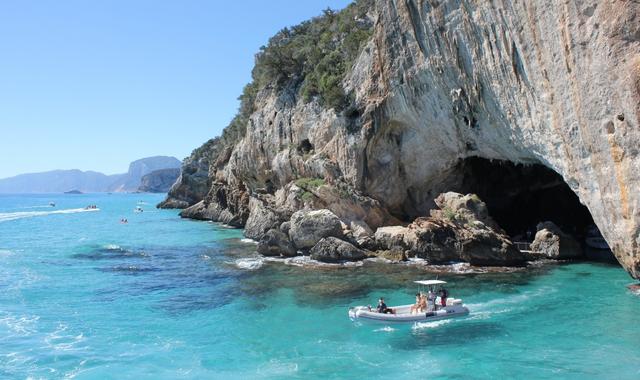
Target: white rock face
{"x":530,"y":82}
{"x":538,"y":81}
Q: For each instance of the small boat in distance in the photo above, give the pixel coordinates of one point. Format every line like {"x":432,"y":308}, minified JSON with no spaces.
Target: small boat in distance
{"x":432,"y":311}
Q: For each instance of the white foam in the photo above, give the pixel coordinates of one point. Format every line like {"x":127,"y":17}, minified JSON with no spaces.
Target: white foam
{"x":307,"y":261}
{"x":248,"y":241}
{"x":5,"y":252}
{"x":41,"y":206}
{"x":431,"y":325}
{"x":60,"y":340}
{"x":385,"y":329}
{"x":20,"y":325}
{"x":249,"y":263}
{"x":8,"y":216}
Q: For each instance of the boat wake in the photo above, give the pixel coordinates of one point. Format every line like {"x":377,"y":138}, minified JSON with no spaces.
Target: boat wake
{"x":31,"y":207}
{"x":431,"y":325}
{"x":8,"y":216}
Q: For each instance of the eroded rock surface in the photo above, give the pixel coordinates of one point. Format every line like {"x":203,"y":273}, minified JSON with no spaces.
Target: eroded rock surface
{"x":461,"y":230}
{"x":309,"y":227}
{"x":552,"y":243}
{"x":334,"y":250}
{"x":276,"y":243}
{"x":531,"y":82}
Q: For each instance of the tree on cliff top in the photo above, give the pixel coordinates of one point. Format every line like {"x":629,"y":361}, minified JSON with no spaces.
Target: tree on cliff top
{"x":313,"y":58}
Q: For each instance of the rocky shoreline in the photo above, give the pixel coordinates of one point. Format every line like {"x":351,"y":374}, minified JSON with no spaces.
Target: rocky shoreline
{"x":460,"y":231}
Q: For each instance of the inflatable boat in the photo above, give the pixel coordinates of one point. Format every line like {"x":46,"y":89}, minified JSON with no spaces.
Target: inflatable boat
{"x":404,"y":313}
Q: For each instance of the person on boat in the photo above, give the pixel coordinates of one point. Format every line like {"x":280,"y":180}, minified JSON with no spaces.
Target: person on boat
{"x":382,"y":307}
{"x":431,"y":300}
{"x":416,"y":307}
{"x":423,"y":303}
{"x":444,"y":294}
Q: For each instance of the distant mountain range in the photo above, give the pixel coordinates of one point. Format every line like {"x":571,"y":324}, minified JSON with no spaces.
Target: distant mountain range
{"x":58,"y":181}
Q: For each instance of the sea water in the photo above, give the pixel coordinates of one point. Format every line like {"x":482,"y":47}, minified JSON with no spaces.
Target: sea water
{"x":85,"y":296}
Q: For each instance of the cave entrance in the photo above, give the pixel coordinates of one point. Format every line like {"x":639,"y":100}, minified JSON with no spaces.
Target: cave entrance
{"x":520,"y":196}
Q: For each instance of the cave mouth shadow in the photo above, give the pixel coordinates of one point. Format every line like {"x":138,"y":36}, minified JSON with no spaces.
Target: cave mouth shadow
{"x":519,"y":196}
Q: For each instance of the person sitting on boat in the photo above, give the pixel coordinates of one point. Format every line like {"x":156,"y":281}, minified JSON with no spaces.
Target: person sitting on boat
{"x":382,"y":307}
{"x":444,"y":294}
{"x":423,"y":303}
{"x":416,"y":307}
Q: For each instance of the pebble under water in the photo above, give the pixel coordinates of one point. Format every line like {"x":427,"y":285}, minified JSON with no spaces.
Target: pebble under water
{"x":84,"y":296}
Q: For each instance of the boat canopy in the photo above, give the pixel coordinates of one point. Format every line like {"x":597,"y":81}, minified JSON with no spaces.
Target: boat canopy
{"x":430,"y":282}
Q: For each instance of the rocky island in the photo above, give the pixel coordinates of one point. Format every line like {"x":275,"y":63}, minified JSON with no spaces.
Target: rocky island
{"x":443,"y":130}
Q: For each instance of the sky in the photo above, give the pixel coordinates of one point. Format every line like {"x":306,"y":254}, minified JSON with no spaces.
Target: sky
{"x":94,"y":85}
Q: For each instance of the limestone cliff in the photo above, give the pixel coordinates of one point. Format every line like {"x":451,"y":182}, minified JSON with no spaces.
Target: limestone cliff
{"x":535,"y":82}
{"x":159,"y":181}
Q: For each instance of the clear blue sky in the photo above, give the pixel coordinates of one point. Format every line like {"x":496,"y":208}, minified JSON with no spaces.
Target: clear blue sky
{"x":93,"y":85}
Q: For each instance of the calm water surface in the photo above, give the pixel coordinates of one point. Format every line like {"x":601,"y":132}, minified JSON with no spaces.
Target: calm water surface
{"x":83,"y":296}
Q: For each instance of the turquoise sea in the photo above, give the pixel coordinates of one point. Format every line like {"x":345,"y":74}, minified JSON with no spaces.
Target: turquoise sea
{"x":84,"y":296}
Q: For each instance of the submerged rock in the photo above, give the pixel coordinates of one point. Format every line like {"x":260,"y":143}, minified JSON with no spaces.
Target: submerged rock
{"x":334,"y":250}
{"x":552,"y":243}
{"x":308,"y":227}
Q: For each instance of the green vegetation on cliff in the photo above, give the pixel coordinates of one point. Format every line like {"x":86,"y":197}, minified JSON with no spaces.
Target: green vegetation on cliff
{"x":316,"y":54}
{"x":312,"y":57}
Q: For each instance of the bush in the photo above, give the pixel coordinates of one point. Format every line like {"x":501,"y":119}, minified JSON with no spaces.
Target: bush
{"x":313,"y":56}
{"x":309,"y":183}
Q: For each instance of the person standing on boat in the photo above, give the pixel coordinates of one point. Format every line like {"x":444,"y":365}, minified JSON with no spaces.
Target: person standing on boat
{"x":444,"y":294}
{"x":431,"y":298}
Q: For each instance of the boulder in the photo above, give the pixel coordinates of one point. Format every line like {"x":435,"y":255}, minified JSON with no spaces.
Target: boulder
{"x":461,"y":230}
{"x":334,"y":250}
{"x":394,"y":254}
{"x":261,"y":219}
{"x":308,"y":227}
{"x":391,"y":236}
{"x":285,"y":226}
{"x":551,"y":243}
{"x":276,"y":243}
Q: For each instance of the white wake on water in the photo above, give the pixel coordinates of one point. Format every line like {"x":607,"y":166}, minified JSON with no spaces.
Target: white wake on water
{"x":431,"y":325}
{"x":8,"y":216}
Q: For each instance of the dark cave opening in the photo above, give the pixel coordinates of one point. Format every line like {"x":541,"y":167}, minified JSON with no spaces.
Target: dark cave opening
{"x":520,"y":196}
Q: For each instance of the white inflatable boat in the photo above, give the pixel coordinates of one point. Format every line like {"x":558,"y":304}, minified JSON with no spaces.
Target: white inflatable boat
{"x":404,"y":314}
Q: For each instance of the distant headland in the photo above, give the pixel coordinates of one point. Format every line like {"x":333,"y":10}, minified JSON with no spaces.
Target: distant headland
{"x":77,"y":181}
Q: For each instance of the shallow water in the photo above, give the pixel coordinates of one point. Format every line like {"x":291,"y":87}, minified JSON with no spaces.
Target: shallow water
{"x":84,"y":296}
